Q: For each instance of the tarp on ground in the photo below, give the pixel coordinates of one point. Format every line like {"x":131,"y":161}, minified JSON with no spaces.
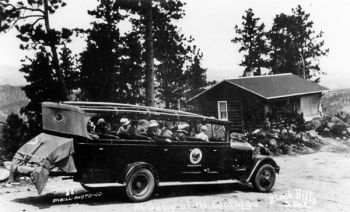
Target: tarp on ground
{"x":39,"y":155}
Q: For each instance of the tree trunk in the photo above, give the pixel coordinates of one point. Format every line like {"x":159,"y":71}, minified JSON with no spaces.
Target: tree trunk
{"x":149,"y":55}
{"x":55,"y":62}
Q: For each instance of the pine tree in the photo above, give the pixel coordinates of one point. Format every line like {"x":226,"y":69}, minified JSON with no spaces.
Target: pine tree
{"x":43,"y":82}
{"x":295,"y":46}
{"x":13,"y":134}
{"x":144,"y":8}
{"x":171,"y":48}
{"x":29,"y":17}
{"x":111,"y":65}
{"x":195,"y":75}
{"x":68,"y":64}
{"x":172,"y":51}
{"x":252,"y":38}
{"x":131,"y":80}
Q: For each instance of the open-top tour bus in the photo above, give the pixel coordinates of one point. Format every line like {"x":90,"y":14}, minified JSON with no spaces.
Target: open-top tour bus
{"x":82,"y":140}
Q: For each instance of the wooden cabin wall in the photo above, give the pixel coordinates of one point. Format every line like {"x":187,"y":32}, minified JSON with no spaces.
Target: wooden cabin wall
{"x":207,"y":104}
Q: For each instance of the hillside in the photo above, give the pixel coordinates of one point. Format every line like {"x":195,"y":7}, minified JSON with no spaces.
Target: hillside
{"x":12,"y":99}
{"x":336,"y":101}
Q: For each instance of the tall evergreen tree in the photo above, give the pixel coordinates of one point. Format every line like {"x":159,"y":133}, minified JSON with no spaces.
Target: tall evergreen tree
{"x":132,"y":75}
{"x":252,"y":38}
{"x":195,"y":75}
{"x":171,"y":50}
{"x":68,"y":64}
{"x":99,"y":62}
{"x":144,"y":8}
{"x":29,"y":16}
{"x":112,"y":65}
{"x":43,"y":71}
{"x":13,"y":134}
{"x":295,"y":46}
{"x":43,"y":84}
{"x":39,"y":70}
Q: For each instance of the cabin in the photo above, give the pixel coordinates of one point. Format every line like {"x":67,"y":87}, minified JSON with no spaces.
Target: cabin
{"x":250,"y":102}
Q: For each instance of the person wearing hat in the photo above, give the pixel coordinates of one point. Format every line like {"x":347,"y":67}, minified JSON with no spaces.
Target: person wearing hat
{"x":125,"y":125}
{"x":140,"y":131}
{"x":101,"y":126}
{"x":202,"y":135}
{"x":182,"y":132}
{"x":153,"y":129}
{"x":167,"y":130}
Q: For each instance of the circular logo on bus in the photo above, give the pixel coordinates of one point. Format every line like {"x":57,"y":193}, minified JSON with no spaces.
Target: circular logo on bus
{"x":195,"y":156}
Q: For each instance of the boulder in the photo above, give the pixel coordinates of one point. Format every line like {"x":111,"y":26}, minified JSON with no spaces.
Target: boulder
{"x":7,"y":165}
{"x":337,"y":120}
{"x":330,"y":125}
{"x":338,"y":129}
{"x":315,"y":122}
{"x":273,"y":142}
{"x":287,"y":149}
{"x":4,"y":174}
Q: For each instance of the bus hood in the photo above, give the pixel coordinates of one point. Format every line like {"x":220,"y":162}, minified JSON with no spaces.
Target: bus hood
{"x":39,"y":155}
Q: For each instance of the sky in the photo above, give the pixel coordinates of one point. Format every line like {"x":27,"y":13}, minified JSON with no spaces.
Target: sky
{"x":211,"y":23}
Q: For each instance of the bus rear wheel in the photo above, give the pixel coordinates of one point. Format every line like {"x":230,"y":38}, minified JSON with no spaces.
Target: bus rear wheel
{"x":140,"y":185}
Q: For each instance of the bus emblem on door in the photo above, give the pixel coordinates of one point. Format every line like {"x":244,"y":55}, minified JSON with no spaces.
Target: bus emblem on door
{"x":195,"y":156}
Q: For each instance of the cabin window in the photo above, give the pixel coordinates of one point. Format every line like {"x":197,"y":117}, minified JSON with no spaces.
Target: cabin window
{"x":222,"y":110}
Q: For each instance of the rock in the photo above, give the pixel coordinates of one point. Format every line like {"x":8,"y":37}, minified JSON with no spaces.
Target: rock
{"x":7,"y":165}
{"x":309,"y":126}
{"x":273,"y":142}
{"x":348,"y":130}
{"x":335,"y":119}
{"x":338,"y":129}
{"x":330,"y":125}
{"x":316,"y":122}
{"x":287,"y":149}
{"x":4,"y":174}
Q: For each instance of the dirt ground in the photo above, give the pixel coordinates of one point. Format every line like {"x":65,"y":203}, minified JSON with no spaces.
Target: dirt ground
{"x":312,"y":182}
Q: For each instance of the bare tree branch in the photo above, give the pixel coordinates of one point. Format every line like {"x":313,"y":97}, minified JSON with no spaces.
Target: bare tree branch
{"x":36,"y":21}
{"x":28,"y":16}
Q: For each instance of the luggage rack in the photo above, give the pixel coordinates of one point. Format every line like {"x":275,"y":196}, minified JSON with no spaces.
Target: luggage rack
{"x":121,"y":108}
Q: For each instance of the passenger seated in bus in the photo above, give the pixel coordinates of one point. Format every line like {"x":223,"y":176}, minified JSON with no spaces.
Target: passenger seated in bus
{"x":202,"y":135}
{"x":153,"y":129}
{"x":140,"y":131}
{"x":101,"y":126}
{"x":91,"y":130}
{"x":123,"y":129}
{"x":182,"y":132}
{"x":167,"y":129}
{"x":154,"y":132}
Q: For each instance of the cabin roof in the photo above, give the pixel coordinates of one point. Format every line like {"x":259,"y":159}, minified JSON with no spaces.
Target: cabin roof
{"x":273,"y":86}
